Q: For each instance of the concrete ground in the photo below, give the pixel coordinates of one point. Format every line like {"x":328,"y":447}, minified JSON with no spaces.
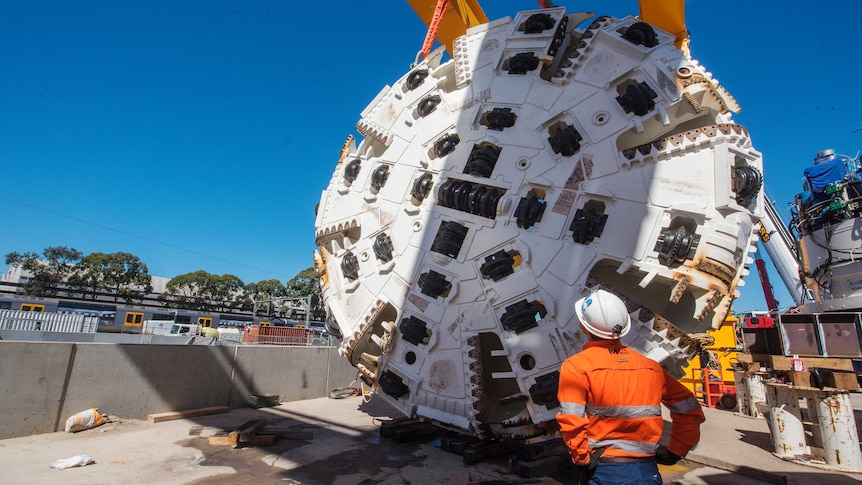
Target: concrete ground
{"x":337,"y":441}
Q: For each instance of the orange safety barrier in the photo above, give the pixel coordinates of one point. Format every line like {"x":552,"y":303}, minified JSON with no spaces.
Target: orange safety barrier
{"x":269,"y":335}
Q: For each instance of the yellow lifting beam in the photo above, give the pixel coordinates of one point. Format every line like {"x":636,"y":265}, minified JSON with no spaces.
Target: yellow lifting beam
{"x":667,"y":15}
{"x":458,"y":16}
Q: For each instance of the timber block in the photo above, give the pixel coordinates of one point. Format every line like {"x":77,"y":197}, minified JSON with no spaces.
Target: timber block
{"x":542,"y":467}
{"x":263,"y":440}
{"x":222,"y":439}
{"x":800,"y":379}
{"x":245,"y":435}
{"x":845,"y":380}
{"x":836,"y":379}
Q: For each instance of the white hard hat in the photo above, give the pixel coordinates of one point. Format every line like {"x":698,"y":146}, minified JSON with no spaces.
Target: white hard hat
{"x":604,"y":315}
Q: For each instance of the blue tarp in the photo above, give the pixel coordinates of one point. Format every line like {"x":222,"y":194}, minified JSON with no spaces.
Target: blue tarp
{"x":823,"y":174}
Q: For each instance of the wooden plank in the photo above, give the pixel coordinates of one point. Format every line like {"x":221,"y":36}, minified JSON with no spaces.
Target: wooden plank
{"x":800,"y":378}
{"x":222,"y":439}
{"x":542,"y":467}
{"x":387,"y":428}
{"x":245,"y":435}
{"x":487,"y":449}
{"x":263,"y":440}
{"x":191,"y":413}
{"x":845,"y":380}
{"x":457,"y":444}
{"x":837,"y":379}
{"x":745,"y":358}
{"x":248,"y":430}
{"x":414,"y":432}
{"x":781,"y":362}
{"x":541,"y":449}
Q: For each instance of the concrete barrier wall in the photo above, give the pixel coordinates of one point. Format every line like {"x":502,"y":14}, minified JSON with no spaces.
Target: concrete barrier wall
{"x":306,"y":373}
{"x":131,"y":381}
{"x":43,"y":383}
{"x":32,"y":380}
{"x":107,"y":338}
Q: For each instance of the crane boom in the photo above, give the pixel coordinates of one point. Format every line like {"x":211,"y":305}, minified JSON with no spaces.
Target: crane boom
{"x":781,"y":250}
{"x":768,"y":294}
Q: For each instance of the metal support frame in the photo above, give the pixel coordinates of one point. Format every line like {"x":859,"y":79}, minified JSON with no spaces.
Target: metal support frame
{"x":750,"y":392}
{"x":282,"y":299}
{"x":828,"y":417}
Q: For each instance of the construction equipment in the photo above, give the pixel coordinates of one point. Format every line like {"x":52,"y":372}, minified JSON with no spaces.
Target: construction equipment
{"x":555,"y":154}
{"x":811,"y":345}
{"x":765,"y":284}
{"x":816,"y":254}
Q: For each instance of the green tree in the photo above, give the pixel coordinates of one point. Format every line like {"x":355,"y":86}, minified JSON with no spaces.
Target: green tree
{"x":49,"y":271}
{"x":307,"y":283}
{"x":121,"y":274}
{"x":264,"y":290}
{"x":203,"y":291}
{"x":224,"y":291}
{"x":186,"y":290}
{"x":86,"y":279}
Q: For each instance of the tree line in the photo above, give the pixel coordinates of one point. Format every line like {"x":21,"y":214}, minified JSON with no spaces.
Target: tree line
{"x":60,"y":271}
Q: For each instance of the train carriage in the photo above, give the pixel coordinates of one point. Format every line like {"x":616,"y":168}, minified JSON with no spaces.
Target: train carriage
{"x":121,"y":317}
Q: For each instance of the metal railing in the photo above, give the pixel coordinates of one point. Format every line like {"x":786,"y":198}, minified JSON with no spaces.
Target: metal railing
{"x":48,"y":322}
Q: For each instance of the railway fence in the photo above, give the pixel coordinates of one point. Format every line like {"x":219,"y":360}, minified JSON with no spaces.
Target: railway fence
{"x":48,"y":322}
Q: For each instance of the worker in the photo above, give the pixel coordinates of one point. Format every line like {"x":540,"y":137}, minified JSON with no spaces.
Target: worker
{"x":610,"y":402}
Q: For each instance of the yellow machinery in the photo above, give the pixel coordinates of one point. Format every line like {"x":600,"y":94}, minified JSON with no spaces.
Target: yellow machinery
{"x":450,"y":19}
{"x":713,"y":382}
{"x":667,"y":15}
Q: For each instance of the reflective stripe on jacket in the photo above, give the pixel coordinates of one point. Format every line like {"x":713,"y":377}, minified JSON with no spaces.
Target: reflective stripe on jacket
{"x":611,"y":396}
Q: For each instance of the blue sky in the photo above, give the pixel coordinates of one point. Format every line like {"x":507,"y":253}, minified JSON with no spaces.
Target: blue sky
{"x":200,"y":134}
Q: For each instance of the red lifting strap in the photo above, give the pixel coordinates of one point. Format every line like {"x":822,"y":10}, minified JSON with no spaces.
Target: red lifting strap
{"x":433,"y":27}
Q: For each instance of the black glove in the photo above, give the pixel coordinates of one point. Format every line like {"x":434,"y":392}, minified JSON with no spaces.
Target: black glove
{"x":665,"y":457}
{"x":587,"y":468}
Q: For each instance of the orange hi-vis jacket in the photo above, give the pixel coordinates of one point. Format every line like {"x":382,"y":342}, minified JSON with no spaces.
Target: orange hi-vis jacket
{"x":611,"y":396}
